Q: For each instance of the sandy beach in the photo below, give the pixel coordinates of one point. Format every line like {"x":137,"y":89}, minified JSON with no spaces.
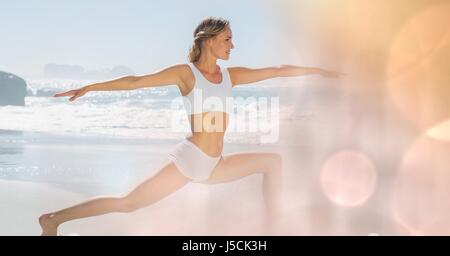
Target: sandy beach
{"x":43,"y":172}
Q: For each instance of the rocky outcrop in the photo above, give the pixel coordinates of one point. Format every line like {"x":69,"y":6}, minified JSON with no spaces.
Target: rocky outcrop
{"x":13,"y":89}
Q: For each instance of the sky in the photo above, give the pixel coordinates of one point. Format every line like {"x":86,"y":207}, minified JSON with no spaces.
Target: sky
{"x":142,"y":35}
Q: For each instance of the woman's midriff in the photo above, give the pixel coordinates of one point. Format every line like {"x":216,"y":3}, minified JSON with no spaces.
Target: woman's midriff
{"x":208,"y":130}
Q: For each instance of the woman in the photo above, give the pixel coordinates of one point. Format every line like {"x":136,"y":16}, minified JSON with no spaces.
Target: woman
{"x":198,"y":158}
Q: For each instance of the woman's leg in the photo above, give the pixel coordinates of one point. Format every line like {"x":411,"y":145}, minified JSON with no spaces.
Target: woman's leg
{"x":163,"y":183}
{"x":239,"y":165}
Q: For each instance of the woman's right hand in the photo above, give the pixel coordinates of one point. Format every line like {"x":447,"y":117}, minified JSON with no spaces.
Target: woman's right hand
{"x":74,"y":93}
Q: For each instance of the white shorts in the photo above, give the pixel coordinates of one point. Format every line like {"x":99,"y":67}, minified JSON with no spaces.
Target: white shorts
{"x":192,"y":161}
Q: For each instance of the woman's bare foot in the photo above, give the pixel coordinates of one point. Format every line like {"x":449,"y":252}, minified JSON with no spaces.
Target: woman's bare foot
{"x":49,"y":227}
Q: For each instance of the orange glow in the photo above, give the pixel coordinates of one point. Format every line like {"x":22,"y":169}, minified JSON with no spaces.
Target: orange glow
{"x":418,"y":67}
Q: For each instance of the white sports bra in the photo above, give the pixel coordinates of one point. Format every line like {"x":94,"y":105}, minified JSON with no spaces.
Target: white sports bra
{"x":206,"y":96}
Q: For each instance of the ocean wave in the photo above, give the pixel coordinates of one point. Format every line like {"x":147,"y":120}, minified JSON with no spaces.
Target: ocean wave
{"x":137,"y":113}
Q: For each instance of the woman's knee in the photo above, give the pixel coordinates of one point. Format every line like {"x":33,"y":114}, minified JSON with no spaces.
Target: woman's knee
{"x":275,"y":163}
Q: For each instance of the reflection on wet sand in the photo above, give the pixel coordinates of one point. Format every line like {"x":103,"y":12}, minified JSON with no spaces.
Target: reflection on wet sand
{"x":8,"y":146}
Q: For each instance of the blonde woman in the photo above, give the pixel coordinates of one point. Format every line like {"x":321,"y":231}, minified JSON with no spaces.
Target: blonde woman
{"x":198,"y":158}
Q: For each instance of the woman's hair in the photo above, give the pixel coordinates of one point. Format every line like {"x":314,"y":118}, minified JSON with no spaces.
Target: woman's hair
{"x":208,"y":28}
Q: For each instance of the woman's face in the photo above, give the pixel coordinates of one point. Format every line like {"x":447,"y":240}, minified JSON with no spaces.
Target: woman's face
{"x":222,"y":44}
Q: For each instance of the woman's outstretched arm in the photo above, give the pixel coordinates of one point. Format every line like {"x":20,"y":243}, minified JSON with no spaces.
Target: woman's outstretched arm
{"x":242,"y":75}
{"x":167,"y":76}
